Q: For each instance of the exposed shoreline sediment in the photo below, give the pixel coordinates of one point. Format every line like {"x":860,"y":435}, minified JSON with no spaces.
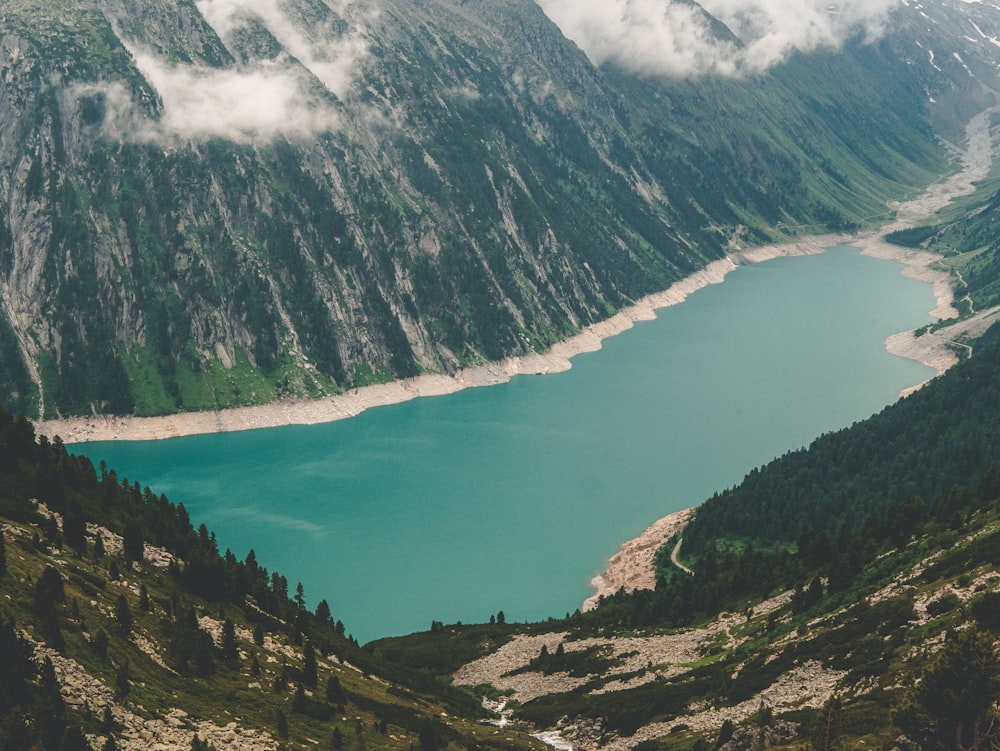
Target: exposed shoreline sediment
{"x":356,"y":401}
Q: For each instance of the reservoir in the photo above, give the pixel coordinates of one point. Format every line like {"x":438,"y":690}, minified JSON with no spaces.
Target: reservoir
{"x":513,"y":497}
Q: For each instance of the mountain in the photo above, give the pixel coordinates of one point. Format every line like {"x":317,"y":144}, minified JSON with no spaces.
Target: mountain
{"x":217,"y":203}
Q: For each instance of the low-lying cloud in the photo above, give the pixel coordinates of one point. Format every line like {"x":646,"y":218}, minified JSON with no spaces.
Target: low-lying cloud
{"x":260,"y":103}
{"x":291,"y":96}
{"x":674,"y":38}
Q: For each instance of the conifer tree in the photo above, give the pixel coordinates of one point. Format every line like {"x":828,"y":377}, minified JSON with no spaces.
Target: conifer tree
{"x":229,"y":650}
{"x":334,"y":691}
{"x":309,"y":676}
{"x":123,"y":616}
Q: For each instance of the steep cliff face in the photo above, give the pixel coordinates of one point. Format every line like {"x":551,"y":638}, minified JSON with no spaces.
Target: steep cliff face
{"x":213,"y":203}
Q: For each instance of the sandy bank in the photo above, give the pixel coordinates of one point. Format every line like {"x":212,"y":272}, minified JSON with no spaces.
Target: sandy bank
{"x":633,"y":567}
{"x":351,"y":403}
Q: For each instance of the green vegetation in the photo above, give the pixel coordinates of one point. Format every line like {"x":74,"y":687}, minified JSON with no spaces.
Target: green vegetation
{"x":970,"y":247}
{"x":944,"y":435}
{"x":483,"y":227}
{"x":178,"y":628}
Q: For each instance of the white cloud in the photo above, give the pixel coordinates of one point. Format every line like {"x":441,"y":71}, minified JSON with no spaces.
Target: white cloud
{"x":673,"y":38}
{"x":292,"y":96}
{"x":330,"y":56}
{"x":261,"y":103}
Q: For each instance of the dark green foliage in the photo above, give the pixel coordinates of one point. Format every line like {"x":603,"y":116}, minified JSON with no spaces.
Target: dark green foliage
{"x":132,"y":542}
{"x":428,"y":736}
{"x":189,"y":648}
{"x":953,"y":707}
{"x":73,"y":739}
{"x":577,"y":663}
{"x":101,"y":643}
{"x":281,"y":725}
{"x":197,"y":744}
{"x":923,"y":445}
{"x":309,"y":676}
{"x":123,"y":681}
{"x":912,"y":237}
{"x":228,"y":647}
{"x":123,"y":615}
{"x":19,"y":394}
{"x":334,"y":691}
{"x":986,"y":610}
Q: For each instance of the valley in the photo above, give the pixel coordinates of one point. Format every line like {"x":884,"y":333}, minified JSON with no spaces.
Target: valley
{"x":259,"y":261}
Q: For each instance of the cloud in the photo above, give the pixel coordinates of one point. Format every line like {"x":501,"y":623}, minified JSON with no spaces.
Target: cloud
{"x":260,"y":103}
{"x":674,"y":38}
{"x":292,"y":96}
{"x":330,"y":55}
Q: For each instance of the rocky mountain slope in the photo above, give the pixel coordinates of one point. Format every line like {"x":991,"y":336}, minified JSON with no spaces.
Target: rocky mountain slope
{"x":214,"y":203}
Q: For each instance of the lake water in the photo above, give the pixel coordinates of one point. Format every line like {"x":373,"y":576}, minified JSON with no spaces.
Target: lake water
{"x":512,"y":497}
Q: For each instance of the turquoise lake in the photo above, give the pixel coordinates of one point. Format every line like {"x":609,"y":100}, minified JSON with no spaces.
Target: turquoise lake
{"x":513,"y":497}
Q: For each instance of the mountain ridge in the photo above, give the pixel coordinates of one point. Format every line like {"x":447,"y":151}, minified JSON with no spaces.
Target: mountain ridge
{"x":255,"y":267}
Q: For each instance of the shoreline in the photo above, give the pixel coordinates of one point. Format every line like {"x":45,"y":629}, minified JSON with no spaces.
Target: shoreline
{"x":355,"y":401}
{"x":633,"y":566}
{"x":558,"y":359}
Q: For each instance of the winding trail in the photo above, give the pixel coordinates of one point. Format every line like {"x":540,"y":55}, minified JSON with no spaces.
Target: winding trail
{"x":675,"y":557}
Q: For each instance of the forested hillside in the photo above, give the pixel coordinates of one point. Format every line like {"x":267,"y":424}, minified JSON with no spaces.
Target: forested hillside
{"x":971,"y":251}
{"x":946,"y":434}
{"x":413,"y":190}
{"x":123,"y":627}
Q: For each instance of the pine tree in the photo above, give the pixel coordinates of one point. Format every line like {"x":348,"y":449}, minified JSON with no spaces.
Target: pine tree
{"x":281,"y":723}
{"x":123,"y":616}
{"x":49,"y":704}
{"x":229,"y":650}
{"x":122,"y":681}
{"x":334,"y":691}
{"x":299,"y":700}
{"x":133,"y":544}
{"x":954,"y":704}
{"x":309,"y":667}
{"x":3,"y":556}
